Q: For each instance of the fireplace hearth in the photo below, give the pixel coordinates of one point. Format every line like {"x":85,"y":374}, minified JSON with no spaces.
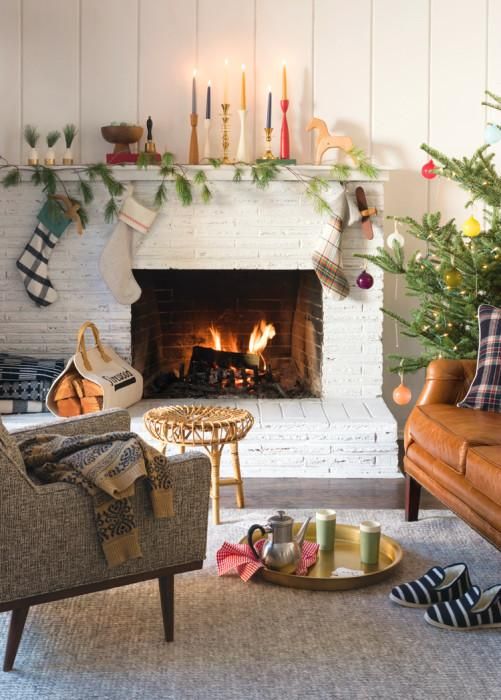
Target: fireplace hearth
{"x":212,"y":333}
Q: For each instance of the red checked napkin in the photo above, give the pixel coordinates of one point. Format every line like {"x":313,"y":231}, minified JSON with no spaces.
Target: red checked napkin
{"x":241,"y":557}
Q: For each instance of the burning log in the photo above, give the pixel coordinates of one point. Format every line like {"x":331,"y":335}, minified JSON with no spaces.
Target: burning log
{"x":208,"y":357}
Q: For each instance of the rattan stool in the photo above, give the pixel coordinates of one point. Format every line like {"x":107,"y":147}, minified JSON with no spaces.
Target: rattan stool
{"x":210,"y":427}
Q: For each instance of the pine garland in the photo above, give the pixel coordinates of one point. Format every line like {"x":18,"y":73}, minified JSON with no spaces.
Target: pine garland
{"x":262,"y":175}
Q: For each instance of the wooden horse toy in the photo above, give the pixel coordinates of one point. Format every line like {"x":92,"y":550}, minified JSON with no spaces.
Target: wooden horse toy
{"x":325,"y":140}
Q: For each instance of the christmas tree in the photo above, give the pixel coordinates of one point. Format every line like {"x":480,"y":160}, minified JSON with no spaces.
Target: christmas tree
{"x":461,"y":267}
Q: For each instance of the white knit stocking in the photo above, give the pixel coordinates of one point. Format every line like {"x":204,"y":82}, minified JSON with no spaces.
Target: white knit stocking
{"x":116,"y":259}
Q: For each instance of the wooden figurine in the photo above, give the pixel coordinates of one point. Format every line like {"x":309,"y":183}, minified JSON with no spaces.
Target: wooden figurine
{"x":325,"y":140}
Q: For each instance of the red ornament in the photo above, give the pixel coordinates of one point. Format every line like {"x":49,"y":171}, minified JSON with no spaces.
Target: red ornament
{"x":427,"y":170}
{"x":365,"y":280}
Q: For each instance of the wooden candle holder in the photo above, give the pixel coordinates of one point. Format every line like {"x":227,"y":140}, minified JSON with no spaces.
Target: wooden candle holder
{"x":193,"y":157}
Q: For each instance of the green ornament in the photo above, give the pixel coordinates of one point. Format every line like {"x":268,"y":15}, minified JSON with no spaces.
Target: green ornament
{"x":453,"y":278}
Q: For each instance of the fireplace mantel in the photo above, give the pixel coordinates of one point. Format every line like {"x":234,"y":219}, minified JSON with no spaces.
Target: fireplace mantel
{"x":223,"y":174}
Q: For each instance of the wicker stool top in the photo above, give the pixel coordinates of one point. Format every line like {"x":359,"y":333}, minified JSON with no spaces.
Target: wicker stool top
{"x":198,"y":425}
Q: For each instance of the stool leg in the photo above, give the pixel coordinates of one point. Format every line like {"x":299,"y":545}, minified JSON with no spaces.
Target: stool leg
{"x":215,"y":460}
{"x":235,"y":460}
{"x":182,"y":449}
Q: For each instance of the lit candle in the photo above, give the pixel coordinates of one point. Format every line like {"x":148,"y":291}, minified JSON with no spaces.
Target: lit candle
{"x":194,"y":93}
{"x":243,"y":100}
{"x":284,"y":82}
{"x":207,"y":103}
{"x":268,"y":110}
{"x":225,"y":83}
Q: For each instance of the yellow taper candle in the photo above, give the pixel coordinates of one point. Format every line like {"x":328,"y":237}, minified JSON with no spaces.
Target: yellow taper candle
{"x":243,"y":100}
{"x":284,"y":82}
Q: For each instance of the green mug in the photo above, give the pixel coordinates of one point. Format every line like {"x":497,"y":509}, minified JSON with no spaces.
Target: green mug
{"x":370,"y":535}
{"x":326,"y":529}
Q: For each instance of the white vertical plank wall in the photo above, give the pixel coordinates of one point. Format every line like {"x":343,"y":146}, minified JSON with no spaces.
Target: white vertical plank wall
{"x":109,"y":69}
{"x":225,"y":31}
{"x":10,"y":79}
{"x":457,"y":83}
{"x":342,"y":67}
{"x":50,"y":88}
{"x":389,"y":73}
{"x":493,"y":73}
{"x":167,"y":55}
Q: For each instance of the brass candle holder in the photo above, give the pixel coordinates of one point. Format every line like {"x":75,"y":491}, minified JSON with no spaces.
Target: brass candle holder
{"x":268,"y":155}
{"x":225,"y":116}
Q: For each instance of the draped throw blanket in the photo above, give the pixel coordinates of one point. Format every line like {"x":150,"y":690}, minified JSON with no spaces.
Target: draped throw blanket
{"x":106,"y":466}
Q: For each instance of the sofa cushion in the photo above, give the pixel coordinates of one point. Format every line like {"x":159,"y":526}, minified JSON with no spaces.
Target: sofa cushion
{"x":447,"y":432}
{"x":9,"y":448}
{"x":485,"y":392}
{"x":483,"y":470}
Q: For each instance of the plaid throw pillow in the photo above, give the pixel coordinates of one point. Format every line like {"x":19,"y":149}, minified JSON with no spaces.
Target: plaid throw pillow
{"x":484,"y":393}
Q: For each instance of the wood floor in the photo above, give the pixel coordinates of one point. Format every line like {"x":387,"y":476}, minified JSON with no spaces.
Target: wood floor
{"x":324,"y":493}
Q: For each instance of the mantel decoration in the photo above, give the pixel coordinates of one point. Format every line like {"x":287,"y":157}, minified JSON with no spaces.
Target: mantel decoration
{"x":61,"y":207}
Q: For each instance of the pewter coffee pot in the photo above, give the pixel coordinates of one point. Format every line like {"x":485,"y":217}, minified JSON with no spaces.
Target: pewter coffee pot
{"x":281,"y":551}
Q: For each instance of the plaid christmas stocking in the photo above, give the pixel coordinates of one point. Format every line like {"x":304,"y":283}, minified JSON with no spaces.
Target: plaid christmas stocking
{"x":327,"y":258}
{"x":34,"y":260}
{"x":116,"y":259}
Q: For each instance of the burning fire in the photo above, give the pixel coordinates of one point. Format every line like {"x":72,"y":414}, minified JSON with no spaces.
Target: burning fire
{"x":261,"y":334}
{"x":216,"y":337}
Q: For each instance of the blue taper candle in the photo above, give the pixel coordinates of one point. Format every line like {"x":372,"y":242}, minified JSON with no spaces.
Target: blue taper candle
{"x":208,"y":102}
{"x":268,"y":111}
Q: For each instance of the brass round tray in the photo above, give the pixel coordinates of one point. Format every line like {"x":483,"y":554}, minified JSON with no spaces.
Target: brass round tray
{"x":346,"y":554}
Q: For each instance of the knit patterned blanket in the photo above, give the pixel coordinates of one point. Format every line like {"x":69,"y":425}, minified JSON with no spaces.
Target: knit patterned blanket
{"x":106,"y":467}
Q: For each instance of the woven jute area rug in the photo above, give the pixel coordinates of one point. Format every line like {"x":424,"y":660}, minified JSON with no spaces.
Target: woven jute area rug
{"x":258,"y":641}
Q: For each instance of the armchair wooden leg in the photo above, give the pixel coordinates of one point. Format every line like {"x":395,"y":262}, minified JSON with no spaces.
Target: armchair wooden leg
{"x":412,"y":494}
{"x":166,"y":587}
{"x":16,"y":627}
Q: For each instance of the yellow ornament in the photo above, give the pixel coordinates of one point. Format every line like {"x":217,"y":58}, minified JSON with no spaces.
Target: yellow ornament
{"x":453,"y":278}
{"x":471,"y":227}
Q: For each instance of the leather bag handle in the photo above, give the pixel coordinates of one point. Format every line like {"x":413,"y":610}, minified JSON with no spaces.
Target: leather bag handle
{"x":81,"y":344}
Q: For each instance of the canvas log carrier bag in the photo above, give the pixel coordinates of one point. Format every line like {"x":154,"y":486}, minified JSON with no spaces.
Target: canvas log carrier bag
{"x":94,"y":379}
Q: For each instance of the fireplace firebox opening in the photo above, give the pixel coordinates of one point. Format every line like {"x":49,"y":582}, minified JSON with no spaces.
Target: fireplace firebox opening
{"x":245,"y":333}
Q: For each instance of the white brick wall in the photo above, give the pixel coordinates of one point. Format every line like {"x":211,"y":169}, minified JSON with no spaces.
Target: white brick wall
{"x":242,"y":228}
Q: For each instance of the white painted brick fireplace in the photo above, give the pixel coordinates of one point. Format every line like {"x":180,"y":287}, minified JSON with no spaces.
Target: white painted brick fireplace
{"x":347,"y":432}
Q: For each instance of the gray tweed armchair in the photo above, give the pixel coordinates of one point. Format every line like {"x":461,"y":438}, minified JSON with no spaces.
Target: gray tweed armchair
{"x":48,"y":542}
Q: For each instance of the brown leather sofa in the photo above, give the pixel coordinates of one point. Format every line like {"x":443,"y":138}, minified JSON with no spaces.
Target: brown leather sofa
{"x":455,"y":453}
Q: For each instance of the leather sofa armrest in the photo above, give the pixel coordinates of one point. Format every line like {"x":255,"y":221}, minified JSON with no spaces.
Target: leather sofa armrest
{"x":447,"y":381}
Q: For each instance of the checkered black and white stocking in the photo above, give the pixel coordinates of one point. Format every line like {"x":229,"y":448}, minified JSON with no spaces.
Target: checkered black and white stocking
{"x":33,"y":266}
{"x":33,"y":262}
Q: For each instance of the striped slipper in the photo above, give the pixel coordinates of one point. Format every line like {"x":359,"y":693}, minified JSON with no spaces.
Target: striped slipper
{"x":437,"y":585}
{"x":473,"y":610}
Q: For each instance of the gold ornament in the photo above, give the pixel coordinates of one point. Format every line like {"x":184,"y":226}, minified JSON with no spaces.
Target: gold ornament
{"x":453,"y":278}
{"x":471,"y":227}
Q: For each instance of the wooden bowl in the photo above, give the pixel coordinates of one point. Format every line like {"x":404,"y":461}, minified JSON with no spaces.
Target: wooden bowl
{"x":121,"y":136}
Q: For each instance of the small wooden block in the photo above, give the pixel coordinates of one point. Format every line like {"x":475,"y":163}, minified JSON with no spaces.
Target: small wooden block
{"x":67,"y":408}
{"x":91,"y":388}
{"x":77,"y":385}
{"x":65,"y":388}
{"x":91,"y":404}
